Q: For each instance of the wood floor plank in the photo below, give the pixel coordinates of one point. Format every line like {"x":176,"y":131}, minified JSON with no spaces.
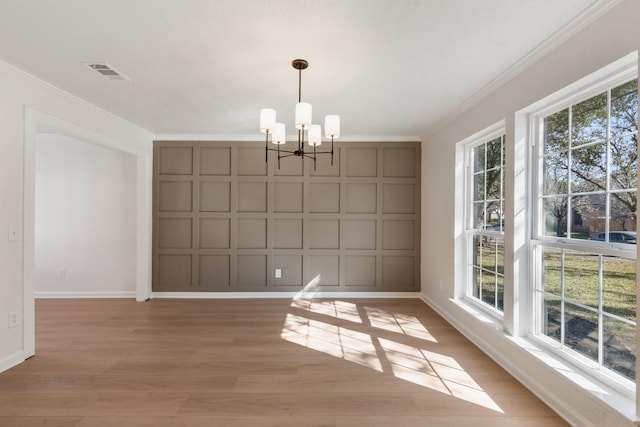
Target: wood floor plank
{"x":448,"y":421}
{"x":209,"y":421}
{"x":40,"y":421}
{"x":258,"y":363}
{"x":90,"y":404}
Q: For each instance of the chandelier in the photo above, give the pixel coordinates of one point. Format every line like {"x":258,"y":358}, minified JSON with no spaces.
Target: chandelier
{"x":303,"y":124}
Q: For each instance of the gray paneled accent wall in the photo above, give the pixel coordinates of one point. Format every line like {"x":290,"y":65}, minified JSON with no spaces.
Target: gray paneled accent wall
{"x":224,"y":220}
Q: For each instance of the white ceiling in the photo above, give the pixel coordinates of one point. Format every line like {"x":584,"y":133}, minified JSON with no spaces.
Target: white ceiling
{"x":389,"y":68}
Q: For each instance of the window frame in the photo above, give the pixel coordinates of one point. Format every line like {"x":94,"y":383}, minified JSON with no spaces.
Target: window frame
{"x":538,"y":241}
{"x":468,"y":145}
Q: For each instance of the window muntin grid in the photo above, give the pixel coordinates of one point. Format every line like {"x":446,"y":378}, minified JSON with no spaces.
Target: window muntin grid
{"x":485,"y":223}
{"x":585,"y":291}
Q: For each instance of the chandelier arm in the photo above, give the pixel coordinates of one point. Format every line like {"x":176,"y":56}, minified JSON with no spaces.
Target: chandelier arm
{"x":319,"y":152}
{"x":281,"y":151}
{"x":331,"y":150}
{"x":291,"y":154}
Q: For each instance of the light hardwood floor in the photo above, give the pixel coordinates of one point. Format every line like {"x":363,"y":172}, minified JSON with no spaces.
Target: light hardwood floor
{"x":267,"y":362}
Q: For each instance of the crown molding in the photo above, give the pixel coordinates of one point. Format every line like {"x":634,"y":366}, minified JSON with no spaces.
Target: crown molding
{"x":291,"y":138}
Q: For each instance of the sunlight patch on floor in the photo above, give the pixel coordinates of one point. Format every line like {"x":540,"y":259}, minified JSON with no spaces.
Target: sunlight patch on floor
{"x":333,"y":340}
{"x":338,"y":309}
{"x":399,"y":323}
{"x":416,"y":365}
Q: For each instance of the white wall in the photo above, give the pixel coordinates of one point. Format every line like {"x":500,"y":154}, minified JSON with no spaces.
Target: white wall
{"x":610,"y":37}
{"x":85,"y":219}
{"x":24,"y":99}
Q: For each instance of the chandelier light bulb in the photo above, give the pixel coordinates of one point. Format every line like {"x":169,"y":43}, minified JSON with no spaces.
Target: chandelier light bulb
{"x":267,"y":120}
{"x":315,"y":135}
{"x":279,"y":134}
{"x":332,"y":126}
{"x":303,"y":115}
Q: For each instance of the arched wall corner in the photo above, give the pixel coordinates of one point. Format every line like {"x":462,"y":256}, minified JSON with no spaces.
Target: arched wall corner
{"x":36,"y":122}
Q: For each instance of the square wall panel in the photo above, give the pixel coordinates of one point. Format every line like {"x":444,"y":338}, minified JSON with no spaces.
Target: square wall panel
{"x":214,"y":233}
{"x":175,"y":196}
{"x":174,"y":273}
{"x":287,"y":234}
{"x":362,"y":162}
{"x":214,"y":273}
{"x":399,"y":198}
{"x":215,"y":161}
{"x":361,"y":198}
{"x":174,"y":233}
{"x":287,"y":197}
{"x":399,"y":162}
{"x":252,"y":197}
{"x":251,"y":162}
{"x":360,"y":271}
{"x":215,"y":196}
{"x":398,"y":272}
{"x":324,"y":197}
{"x":252,"y":271}
{"x":323,"y":163}
{"x":291,"y":269}
{"x":324,"y":270}
{"x":252,"y":233}
{"x":361,"y":234}
{"x":324,"y":234}
{"x":176,"y":160}
{"x":399,"y":235}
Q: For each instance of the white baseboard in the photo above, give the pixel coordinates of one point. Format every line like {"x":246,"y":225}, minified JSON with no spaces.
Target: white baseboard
{"x":291,"y":295}
{"x":87,"y":294}
{"x":11,"y":360}
{"x":549,"y":378}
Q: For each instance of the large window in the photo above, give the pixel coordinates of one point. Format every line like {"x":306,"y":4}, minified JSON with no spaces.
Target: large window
{"x":485,"y":221}
{"x":584,"y":235}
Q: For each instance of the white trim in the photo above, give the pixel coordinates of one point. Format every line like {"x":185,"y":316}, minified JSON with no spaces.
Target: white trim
{"x":55,"y":126}
{"x":485,"y":135}
{"x":257,"y":138}
{"x":12,"y":360}
{"x":589,"y":15}
{"x":293,"y":295}
{"x":576,"y":397}
{"x":144,"y":226}
{"x":28,"y":235}
{"x":86,"y":294}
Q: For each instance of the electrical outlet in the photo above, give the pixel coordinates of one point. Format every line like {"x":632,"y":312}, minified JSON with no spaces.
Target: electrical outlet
{"x":278,"y":273}
{"x":62,"y":273}
{"x":14,"y":319}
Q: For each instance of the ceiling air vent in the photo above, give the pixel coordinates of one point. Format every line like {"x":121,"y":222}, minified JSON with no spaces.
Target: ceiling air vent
{"x":107,"y":71}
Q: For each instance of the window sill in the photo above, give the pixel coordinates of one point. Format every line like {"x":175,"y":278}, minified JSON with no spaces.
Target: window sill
{"x":618,"y":398}
{"x":622,"y":402}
